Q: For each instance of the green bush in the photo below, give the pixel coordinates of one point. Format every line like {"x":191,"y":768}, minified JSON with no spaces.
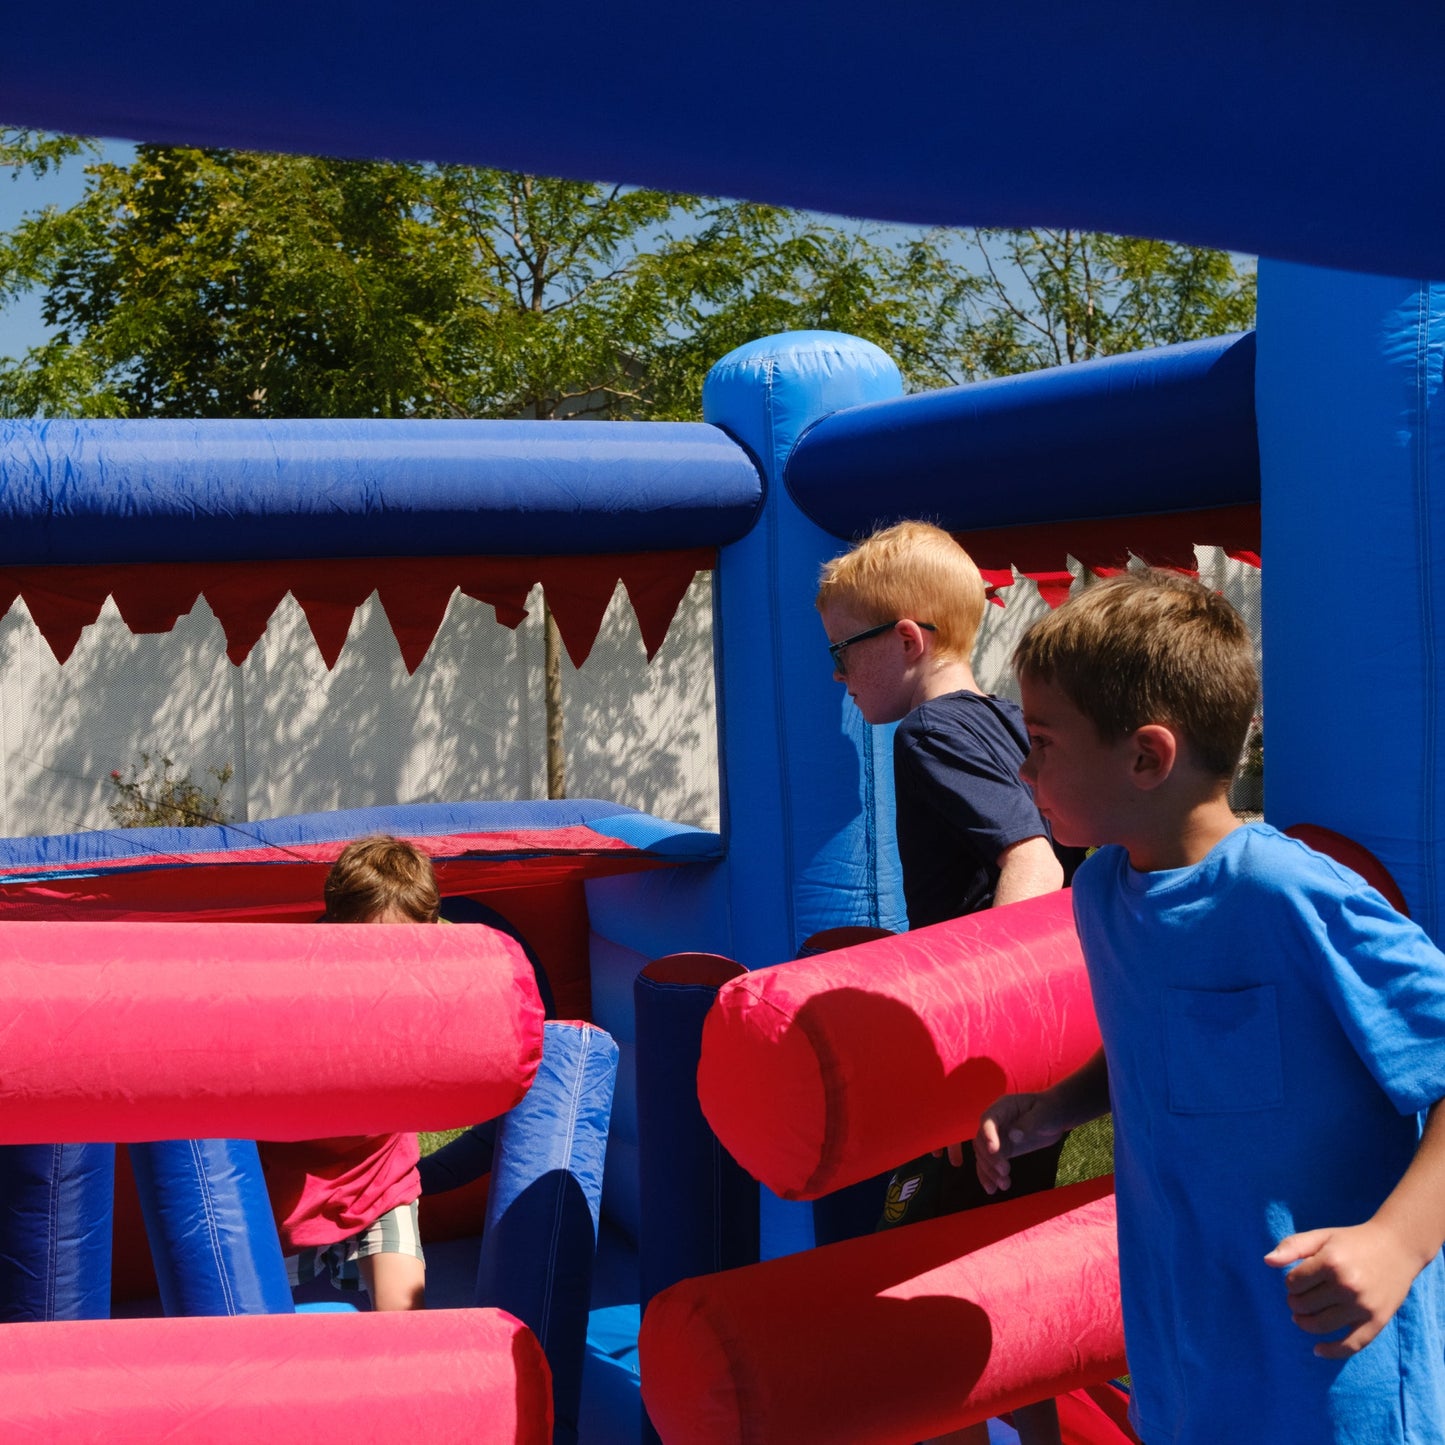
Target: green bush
{"x":153,"y":795}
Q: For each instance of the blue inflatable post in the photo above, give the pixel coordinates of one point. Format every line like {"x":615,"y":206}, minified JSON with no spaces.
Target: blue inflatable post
{"x":542,"y":1206}
{"x":1350,"y":395}
{"x":211,"y":1230}
{"x":699,"y":1207}
{"x":56,"y":1207}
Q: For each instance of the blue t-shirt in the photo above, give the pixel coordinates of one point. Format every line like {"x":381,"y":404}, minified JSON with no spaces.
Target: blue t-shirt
{"x":959,"y":802}
{"x":1273,"y":1030}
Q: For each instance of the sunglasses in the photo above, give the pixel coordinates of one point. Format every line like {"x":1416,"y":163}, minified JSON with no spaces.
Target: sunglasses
{"x":838,"y":649}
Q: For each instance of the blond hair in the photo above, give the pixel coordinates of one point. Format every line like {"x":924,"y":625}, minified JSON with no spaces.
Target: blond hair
{"x":1151,"y":647}
{"x":913,"y":570}
{"x":379,"y":875}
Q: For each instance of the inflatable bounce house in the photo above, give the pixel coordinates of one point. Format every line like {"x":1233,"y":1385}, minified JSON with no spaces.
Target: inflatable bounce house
{"x":628,"y":980}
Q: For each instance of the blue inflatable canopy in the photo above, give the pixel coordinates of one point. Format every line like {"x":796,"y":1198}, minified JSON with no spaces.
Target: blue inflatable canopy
{"x":210,"y":491}
{"x":1295,"y":129}
{"x":1151,"y":431}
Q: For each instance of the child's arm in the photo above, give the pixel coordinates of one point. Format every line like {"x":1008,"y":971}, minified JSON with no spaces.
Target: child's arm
{"x":1021,"y":1123}
{"x":1026,"y":870}
{"x":1356,"y":1278}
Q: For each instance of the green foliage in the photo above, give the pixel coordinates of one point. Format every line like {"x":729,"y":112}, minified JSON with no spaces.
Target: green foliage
{"x":156,"y":797}
{"x":212,"y":283}
{"x":1088,"y":1151}
{"x":1051,"y":297}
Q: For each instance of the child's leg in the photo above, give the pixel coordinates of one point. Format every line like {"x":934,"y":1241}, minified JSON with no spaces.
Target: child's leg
{"x":390,"y":1262}
{"x":394,"y":1281}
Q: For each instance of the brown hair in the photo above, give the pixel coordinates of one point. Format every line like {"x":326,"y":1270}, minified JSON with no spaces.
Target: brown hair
{"x":915,"y":570}
{"x":379,"y":875}
{"x":1151,"y":647}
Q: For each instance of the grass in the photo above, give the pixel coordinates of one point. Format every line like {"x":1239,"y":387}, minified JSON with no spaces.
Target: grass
{"x":430,"y":1143}
{"x":1088,"y":1151}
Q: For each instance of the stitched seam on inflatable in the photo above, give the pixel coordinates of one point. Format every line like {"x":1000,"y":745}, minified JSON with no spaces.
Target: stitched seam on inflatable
{"x":569,"y":1140}
{"x":208,"y":1205}
{"x":1427,"y":612}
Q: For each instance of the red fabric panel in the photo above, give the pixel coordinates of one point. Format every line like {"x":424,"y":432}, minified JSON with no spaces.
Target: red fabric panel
{"x":655,"y":596}
{"x":1096,"y":1415}
{"x":132,"y":1031}
{"x":275,"y":885}
{"x":820,"y":1072}
{"x":64,"y":600}
{"x":1103,"y":544}
{"x":63,"y":607}
{"x":693,"y":970}
{"x":553,"y":919}
{"x":448,"y":1377}
{"x":329,"y":598}
{"x":415,"y":606}
{"x":1354,"y":856}
{"x":132,"y":1274}
{"x":243,"y":597}
{"x":152,"y":599}
{"x":896,"y":1336}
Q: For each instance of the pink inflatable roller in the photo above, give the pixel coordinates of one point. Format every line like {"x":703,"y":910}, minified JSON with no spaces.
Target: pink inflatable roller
{"x":894,"y":1337}
{"x":821,"y":1072}
{"x":474,"y":1377}
{"x":135,"y":1031}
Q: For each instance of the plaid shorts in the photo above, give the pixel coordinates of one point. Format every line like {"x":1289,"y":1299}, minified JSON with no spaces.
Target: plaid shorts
{"x":394,"y":1233}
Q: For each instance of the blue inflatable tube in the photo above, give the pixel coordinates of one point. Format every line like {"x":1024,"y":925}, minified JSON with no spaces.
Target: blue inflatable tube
{"x":1167,"y":430}
{"x":1292,"y":129}
{"x":211,"y":1230}
{"x":699,"y":1208}
{"x":216,"y":491}
{"x":540,"y":1238}
{"x":56,"y":1203}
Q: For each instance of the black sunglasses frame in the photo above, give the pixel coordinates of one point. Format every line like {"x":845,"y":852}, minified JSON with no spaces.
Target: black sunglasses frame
{"x":837,"y":649}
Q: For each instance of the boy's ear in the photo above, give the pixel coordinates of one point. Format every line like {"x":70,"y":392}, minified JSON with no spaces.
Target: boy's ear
{"x":915,"y":640}
{"x":1155,"y":750}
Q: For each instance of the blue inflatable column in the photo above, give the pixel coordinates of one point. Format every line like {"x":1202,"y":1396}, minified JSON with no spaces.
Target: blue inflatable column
{"x":56,"y":1208}
{"x":542,"y":1205}
{"x":1352,"y":463}
{"x":807,"y":785}
{"x":699,"y":1206}
{"x":212,"y":1234}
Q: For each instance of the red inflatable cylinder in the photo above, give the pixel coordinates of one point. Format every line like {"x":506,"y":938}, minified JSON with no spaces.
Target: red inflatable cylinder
{"x":821,"y":1072}
{"x":893,"y":1337}
{"x":136,"y":1031}
{"x":474,"y":1377}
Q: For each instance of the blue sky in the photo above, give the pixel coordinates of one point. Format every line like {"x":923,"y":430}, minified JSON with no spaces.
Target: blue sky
{"x":20,"y":324}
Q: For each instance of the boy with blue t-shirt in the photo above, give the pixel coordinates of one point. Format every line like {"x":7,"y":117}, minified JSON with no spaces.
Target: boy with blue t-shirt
{"x":1273,"y":1051}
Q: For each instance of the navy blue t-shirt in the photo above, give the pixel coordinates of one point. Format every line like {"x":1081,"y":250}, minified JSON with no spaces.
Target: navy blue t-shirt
{"x":960,"y":803}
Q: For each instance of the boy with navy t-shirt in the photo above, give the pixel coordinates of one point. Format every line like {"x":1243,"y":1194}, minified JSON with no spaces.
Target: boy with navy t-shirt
{"x":902,"y":611}
{"x":1273,"y":1052}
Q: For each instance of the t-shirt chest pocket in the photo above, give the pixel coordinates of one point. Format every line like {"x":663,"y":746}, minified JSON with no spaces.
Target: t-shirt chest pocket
{"x":1222,"y":1050}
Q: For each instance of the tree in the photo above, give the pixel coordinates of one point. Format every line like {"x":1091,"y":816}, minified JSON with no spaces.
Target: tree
{"x":1053,"y":297}
{"x":216,"y":283}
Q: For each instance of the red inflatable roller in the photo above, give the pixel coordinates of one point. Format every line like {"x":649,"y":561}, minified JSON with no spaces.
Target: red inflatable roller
{"x":893,"y":1337}
{"x":821,"y":1072}
{"x":476,"y":1377}
{"x":136,"y":1031}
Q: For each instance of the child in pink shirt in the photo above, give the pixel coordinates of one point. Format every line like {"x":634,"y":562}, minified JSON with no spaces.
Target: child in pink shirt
{"x":347,"y":1207}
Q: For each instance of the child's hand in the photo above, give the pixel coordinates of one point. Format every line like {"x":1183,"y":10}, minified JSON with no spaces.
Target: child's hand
{"x":1354,"y":1279}
{"x":1014,"y":1124}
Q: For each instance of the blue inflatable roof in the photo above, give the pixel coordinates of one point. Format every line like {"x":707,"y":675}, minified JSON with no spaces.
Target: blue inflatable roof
{"x":106,"y":848}
{"x":206,"y":491}
{"x":1151,"y":431}
{"x":1297,"y":129}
